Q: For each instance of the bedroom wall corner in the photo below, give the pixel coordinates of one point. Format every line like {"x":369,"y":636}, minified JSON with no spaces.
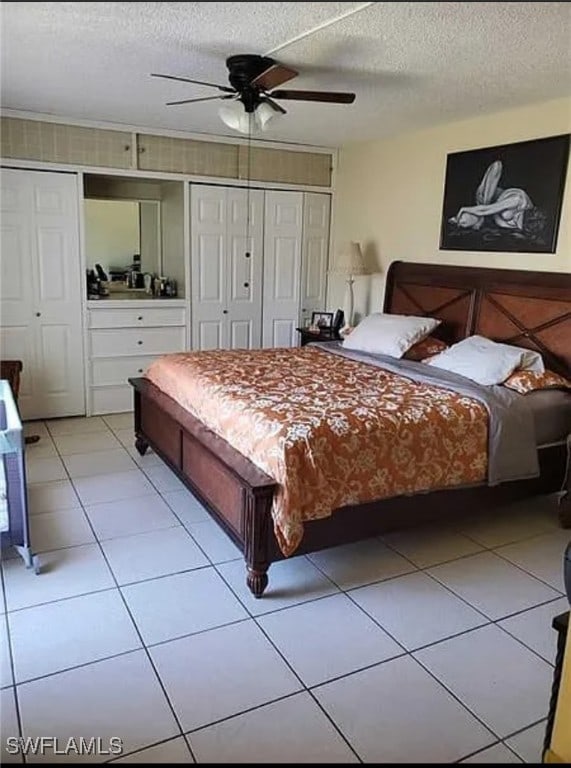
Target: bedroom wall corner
{"x":389,"y":198}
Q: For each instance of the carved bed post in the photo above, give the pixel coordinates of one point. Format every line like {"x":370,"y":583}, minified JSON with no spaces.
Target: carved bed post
{"x":258,"y":536}
{"x":140,"y":443}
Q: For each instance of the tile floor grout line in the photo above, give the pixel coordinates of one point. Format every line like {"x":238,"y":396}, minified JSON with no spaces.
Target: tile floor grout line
{"x":529,"y":573}
{"x":309,"y":688}
{"x":478,"y":751}
{"x":510,"y":749}
{"x":454,"y":696}
{"x":525,"y":728}
{"x":143,"y":749}
{"x":485,"y":549}
{"x":242,"y":712}
{"x":81,"y":665}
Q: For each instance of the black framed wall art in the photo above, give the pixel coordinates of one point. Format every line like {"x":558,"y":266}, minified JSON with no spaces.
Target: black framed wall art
{"x":505,"y":198}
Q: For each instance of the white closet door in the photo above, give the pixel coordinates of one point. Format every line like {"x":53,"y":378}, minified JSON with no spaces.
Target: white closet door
{"x":208,"y":267}
{"x":282,"y":268}
{"x":245,"y":267}
{"x":46,"y":205}
{"x":226,"y":267}
{"x":17,"y":340}
{"x":315,"y":250}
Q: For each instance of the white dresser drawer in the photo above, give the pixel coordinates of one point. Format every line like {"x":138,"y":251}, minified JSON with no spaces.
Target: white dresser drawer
{"x":116,"y":370}
{"x":111,"y":399}
{"x":115,"y":342}
{"x":132,"y":317}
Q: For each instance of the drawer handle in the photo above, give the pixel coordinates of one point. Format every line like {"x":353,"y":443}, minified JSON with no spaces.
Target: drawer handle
{"x":140,"y":370}
{"x":246,"y":285}
{"x":140,"y":317}
{"x":139,"y":342}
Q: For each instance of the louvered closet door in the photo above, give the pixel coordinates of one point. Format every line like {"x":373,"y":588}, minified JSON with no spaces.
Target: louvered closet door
{"x":282,"y":268}
{"x":41,"y":290}
{"x":315,"y":251}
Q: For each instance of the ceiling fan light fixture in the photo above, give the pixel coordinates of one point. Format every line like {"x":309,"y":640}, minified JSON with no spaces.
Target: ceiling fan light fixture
{"x":264,"y":113}
{"x":235,"y":116}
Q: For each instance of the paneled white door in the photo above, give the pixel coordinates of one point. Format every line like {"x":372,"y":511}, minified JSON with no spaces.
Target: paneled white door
{"x":245,"y":244}
{"x":40,"y":290}
{"x":282,"y":268}
{"x":226,"y":267}
{"x":208,"y":266}
{"x":315,"y":250}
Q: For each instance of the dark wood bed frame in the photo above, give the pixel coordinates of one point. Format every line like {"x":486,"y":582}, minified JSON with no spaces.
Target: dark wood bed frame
{"x":531,"y":309}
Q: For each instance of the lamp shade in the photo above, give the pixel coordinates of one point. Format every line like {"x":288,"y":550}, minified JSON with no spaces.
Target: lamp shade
{"x":234,"y":115}
{"x":351,"y":262}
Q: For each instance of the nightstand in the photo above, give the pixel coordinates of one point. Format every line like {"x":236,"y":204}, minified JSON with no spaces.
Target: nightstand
{"x":307,"y":336}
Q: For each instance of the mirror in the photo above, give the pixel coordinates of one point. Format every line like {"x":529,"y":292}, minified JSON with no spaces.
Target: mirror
{"x":120,"y":232}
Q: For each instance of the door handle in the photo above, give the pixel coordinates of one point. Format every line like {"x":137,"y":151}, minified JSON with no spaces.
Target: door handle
{"x":224,"y":311}
{"x":38,"y":314}
{"x":246,"y":285}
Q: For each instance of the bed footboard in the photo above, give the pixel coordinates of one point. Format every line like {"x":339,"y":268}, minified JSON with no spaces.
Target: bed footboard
{"x":235,"y":491}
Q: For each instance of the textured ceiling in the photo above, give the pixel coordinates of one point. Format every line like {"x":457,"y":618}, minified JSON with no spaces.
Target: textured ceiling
{"x":411,"y":64}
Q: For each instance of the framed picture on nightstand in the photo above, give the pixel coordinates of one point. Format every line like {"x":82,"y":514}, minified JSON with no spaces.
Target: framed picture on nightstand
{"x":322,"y":320}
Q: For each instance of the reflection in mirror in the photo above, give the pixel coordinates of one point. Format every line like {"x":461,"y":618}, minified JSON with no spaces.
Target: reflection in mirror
{"x":121,"y":234}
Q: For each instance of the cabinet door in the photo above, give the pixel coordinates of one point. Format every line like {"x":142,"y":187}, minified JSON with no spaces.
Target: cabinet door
{"x":208,"y":266}
{"x":315,"y":251}
{"x":48,"y":204}
{"x":282,"y":268}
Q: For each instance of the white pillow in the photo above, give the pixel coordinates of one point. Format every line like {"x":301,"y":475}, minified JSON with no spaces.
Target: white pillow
{"x":392,"y":335}
{"x":485,"y":361}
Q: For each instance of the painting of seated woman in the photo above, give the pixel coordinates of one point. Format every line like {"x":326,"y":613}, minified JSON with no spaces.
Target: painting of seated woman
{"x":505,"y":198}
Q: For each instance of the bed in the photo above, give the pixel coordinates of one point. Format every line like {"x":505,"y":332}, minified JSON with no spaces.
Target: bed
{"x":531,"y":309}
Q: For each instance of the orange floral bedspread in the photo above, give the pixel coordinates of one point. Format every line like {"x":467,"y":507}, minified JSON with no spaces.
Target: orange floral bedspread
{"x":329,"y":430}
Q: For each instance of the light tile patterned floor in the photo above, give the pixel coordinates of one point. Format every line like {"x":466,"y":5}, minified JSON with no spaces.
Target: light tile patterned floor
{"x":424,"y":646}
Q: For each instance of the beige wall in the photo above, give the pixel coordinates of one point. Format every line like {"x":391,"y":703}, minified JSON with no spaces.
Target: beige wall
{"x":389,"y":197}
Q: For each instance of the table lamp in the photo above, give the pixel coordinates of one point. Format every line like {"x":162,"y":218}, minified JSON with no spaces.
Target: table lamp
{"x":351,"y":264}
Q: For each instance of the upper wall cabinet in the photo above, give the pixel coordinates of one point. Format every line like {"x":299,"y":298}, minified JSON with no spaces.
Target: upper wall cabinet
{"x":285,"y":166}
{"x":203,"y":158}
{"x":76,"y":145}
{"x":69,"y":144}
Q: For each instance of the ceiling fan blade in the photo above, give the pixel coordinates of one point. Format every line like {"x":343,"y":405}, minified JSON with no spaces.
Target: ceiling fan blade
{"x":274,"y":76}
{"x":275,"y":105}
{"x":193,"y":101}
{"x":224,"y":88}
{"x":331,"y":96}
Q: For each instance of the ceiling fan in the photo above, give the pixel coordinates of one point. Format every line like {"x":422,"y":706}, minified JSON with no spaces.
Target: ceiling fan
{"x":252,"y":81}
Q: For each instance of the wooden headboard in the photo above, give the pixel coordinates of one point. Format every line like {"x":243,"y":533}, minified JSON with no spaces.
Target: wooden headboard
{"x":527,"y":309}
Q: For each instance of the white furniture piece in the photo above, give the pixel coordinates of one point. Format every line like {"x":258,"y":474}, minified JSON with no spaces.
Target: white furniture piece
{"x":41,"y":290}
{"x":124,"y":337}
{"x":254,"y":280}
